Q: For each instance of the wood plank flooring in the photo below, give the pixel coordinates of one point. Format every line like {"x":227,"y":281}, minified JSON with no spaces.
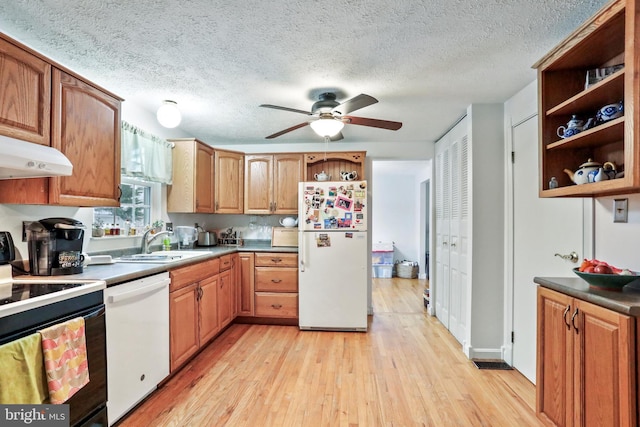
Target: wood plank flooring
{"x":407,"y":370}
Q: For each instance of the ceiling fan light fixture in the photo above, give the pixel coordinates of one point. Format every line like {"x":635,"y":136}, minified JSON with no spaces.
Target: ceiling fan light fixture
{"x":168,"y":114}
{"x":327,"y":126}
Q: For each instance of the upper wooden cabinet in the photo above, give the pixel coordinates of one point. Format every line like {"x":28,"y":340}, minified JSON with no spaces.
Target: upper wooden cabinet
{"x":25,"y":84}
{"x":45,"y":103}
{"x":192,"y":188}
{"x":332,"y":163}
{"x":271,"y":183}
{"x":86,"y":128}
{"x":229,"y":182}
{"x":609,"y":38}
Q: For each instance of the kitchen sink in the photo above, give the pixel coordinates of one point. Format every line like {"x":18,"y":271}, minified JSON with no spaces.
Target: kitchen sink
{"x":162,"y":257}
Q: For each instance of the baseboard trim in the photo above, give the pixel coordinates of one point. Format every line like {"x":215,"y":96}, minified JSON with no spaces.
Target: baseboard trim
{"x":483,"y":353}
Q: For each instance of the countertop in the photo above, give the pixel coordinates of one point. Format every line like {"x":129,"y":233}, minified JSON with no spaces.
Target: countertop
{"x":120,"y":272}
{"x":626,"y":302}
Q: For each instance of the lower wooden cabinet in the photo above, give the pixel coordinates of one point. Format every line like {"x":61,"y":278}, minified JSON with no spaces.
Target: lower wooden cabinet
{"x":183,"y":324}
{"x":208,"y":309}
{"x":276,"y":285}
{"x":206,"y":297}
{"x":245,"y":284}
{"x":586,"y":369}
{"x":276,"y":304}
{"x":193,"y":309}
{"x":224,"y":290}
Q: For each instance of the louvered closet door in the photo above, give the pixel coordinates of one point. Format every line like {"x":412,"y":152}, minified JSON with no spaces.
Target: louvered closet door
{"x":441,"y":282}
{"x":458,"y":238}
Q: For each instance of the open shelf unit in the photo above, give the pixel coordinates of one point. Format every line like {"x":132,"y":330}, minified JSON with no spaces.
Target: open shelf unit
{"x":607,"y":39}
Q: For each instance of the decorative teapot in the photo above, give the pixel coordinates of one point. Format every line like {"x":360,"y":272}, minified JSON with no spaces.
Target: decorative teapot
{"x":349,"y":176}
{"x":574,"y":126}
{"x":581,"y":176}
{"x":288,"y":222}
{"x":607,"y":171}
{"x":321,"y":176}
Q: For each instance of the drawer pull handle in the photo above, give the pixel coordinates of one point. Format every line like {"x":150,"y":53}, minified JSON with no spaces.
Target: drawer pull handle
{"x":276,"y":306}
{"x":276,"y":280}
{"x":276,"y":260}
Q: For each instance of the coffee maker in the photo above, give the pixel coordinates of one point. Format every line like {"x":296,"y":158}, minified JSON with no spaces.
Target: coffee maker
{"x":55,"y":246}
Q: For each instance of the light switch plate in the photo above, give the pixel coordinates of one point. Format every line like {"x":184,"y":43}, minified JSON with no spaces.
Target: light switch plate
{"x":620,"y":210}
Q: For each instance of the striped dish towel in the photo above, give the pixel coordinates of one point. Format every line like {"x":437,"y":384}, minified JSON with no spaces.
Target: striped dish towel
{"x":65,"y":359}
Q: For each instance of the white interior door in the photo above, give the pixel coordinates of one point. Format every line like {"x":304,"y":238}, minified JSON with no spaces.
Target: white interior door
{"x":441,"y":278}
{"x":458,"y":239}
{"x":542,"y":228}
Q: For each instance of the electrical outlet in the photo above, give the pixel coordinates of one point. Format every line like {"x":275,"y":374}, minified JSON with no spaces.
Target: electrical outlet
{"x":169,"y":226}
{"x":25,"y":224}
{"x":620,"y":210}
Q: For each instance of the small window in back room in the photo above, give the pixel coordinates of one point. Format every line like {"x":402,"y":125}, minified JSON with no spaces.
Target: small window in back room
{"x":135,"y":211}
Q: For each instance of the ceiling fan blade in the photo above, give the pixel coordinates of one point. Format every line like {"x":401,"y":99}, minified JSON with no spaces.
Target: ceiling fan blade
{"x":362,"y":121}
{"x":353,"y":104}
{"x":292,"y":128}
{"x":293,"y":110}
{"x":337,"y":137}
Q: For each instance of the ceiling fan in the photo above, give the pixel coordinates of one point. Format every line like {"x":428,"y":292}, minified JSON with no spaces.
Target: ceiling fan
{"x":329,"y":116}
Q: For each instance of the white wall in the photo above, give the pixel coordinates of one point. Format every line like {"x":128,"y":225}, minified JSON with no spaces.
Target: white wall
{"x":617,"y":243}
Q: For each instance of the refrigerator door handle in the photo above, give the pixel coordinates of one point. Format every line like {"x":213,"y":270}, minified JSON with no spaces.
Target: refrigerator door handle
{"x":301,"y":250}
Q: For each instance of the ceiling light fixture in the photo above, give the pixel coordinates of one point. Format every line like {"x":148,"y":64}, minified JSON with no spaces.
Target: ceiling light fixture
{"x":327,"y":126}
{"x":168,"y":114}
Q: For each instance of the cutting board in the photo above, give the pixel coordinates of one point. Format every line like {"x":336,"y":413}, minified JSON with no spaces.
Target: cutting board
{"x":284,"y":236}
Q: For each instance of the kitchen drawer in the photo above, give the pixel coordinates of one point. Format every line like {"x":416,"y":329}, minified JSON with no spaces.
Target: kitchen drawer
{"x":267,"y":259}
{"x":183,"y":276}
{"x":271,"y":304}
{"x":276,"y":279}
{"x":225,"y":262}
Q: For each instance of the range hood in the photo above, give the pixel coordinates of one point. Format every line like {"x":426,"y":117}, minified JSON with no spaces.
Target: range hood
{"x":21,"y":159}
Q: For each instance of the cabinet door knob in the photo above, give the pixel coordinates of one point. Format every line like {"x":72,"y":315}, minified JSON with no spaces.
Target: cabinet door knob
{"x":564,"y":316}
{"x":573,"y":320}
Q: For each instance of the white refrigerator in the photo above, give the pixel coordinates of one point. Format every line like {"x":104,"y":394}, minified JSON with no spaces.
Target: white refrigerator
{"x":332,"y":252}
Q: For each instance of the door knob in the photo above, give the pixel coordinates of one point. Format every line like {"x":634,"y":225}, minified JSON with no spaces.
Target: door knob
{"x":573,"y":256}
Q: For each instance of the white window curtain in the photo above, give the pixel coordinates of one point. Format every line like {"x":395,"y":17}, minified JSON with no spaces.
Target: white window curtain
{"x":145,"y":156}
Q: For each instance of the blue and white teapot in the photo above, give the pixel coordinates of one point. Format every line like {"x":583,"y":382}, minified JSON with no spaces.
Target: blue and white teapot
{"x":574,"y":127}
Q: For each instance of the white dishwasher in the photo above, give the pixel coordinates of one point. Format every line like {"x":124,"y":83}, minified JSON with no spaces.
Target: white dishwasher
{"x":137,"y":321}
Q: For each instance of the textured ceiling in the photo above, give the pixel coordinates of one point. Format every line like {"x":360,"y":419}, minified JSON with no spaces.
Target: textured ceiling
{"x":425,"y":61}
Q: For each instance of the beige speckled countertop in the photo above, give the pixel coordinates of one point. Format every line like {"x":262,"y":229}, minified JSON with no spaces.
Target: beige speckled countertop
{"x":625,"y":302}
{"x":120,"y":272}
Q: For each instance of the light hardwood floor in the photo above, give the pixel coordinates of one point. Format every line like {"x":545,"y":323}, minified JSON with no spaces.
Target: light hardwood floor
{"x":407,"y":370}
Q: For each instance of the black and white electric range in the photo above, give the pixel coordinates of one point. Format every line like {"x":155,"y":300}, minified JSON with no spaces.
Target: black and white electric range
{"x":28,"y":292}
{"x":28,"y":304}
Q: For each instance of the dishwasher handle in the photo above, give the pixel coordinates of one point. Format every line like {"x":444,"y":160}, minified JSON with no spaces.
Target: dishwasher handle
{"x":123,"y":296}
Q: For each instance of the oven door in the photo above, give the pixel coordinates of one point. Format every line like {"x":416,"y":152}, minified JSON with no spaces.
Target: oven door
{"x":92,"y":398}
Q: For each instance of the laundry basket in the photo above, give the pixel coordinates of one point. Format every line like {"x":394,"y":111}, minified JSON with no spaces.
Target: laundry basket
{"x":407,"y":269}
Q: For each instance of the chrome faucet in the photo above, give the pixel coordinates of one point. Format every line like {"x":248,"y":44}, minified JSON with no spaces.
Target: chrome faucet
{"x":144,"y":247}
